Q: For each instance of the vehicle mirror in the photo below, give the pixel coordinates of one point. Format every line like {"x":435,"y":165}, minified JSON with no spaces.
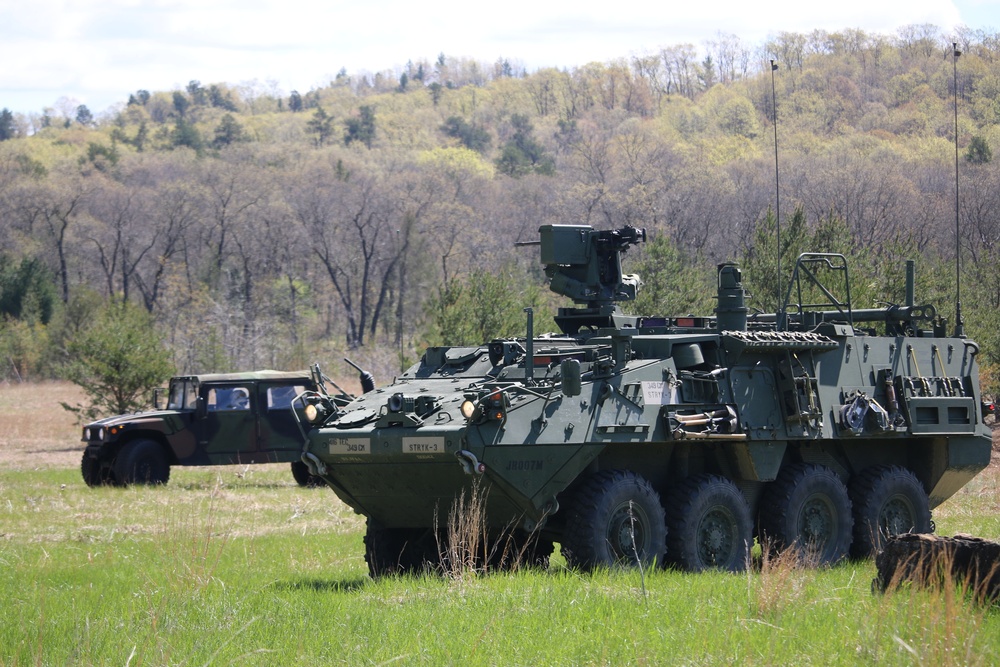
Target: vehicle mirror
{"x":569,"y":369}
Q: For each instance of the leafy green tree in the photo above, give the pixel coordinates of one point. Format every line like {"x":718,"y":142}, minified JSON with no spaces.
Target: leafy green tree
{"x":672,"y":283}
{"x":321,"y":124}
{"x":522,"y":154}
{"x":117,"y":360}
{"x":83,"y":116}
{"x":760,"y":262}
{"x":7,"y":129}
{"x":362,"y":127}
{"x":979,"y":151}
{"x":295,"y":102}
{"x":186,"y":134}
{"x":472,"y":136}
{"x":181,"y":103}
{"x":229,"y":131}
{"x":221,"y":99}
{"x":199,"y":96}
{"x":483,"y":306}
{"x":27,"y":290}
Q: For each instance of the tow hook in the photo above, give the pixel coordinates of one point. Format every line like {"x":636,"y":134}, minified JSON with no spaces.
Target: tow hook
{"x":470,"y":464}
{"x":316,"y":467}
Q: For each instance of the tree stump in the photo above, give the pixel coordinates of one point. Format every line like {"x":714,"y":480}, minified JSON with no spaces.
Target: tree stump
{"x":928,"y":560}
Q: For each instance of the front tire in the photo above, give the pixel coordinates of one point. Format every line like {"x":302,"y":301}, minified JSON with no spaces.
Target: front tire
{"x":96,"y":473}
{"x":709,"y":525}
{"x":615,"y":519}
{"x":888,"y":501}
{"x":396,"y":551}
{"x":142,"y":462}
{"x":302,"y":476}
{"x":807,"y":508}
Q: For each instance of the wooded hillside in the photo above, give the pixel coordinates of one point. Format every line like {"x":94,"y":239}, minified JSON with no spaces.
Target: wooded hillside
{"x":379,"y":213}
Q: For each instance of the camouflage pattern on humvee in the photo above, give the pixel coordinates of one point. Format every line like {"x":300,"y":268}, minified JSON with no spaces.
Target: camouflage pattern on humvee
{"x":212,"y":419}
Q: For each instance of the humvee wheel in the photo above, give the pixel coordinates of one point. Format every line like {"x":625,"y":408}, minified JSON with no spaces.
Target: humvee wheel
{"x":393,"y":551}
{"x":708,"y":525}
{"x":807,"y":507}
{"x":142,"y":462}
{"x":614,"y":519}
{"x":888,"y":501}
{"x":95,"y":474}
{"x":302,"y":476}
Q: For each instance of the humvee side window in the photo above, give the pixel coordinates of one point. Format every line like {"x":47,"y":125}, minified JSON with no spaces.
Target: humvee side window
{"x":228,"y":398}
{"x":183,"y":395}
{"x":280,"y":398}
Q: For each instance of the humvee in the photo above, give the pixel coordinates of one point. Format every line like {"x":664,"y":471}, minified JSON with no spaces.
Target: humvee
{"x":211,"y":419}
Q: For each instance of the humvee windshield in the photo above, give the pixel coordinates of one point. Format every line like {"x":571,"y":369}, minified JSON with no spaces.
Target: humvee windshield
{"x":183,"y":395}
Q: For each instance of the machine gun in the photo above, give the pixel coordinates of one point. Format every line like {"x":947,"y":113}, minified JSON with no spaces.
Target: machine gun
{"x":585,"y":265}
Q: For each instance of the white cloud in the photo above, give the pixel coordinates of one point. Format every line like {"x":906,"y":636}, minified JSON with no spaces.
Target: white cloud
{"x":98,"y":51}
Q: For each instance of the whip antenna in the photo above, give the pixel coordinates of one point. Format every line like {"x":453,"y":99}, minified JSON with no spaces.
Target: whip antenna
{"x":959,"y":325}
{"x":777,"y":195}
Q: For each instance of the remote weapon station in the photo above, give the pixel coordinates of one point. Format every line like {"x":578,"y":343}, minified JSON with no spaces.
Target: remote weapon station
{"x":673,"y":440}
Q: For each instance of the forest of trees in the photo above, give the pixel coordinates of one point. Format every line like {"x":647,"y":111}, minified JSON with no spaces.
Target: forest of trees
{"x":378,"y":214}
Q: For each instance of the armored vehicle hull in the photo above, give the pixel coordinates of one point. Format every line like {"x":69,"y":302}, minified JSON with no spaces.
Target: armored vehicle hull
{"x":678,"y":440}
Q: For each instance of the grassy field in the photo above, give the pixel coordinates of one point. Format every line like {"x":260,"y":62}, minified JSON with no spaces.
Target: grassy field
{"x":237,"y":565}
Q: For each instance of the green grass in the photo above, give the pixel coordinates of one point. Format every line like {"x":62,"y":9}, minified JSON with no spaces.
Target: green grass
{"x":239,"y":566}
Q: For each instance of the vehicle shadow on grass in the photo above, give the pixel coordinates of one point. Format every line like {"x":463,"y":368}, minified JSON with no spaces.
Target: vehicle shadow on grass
{"x":324,"y":585}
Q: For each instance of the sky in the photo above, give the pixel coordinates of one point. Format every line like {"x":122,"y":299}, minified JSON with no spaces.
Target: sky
{"x":96,"y":52}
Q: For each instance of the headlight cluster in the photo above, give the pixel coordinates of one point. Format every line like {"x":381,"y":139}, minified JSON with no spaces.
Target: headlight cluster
{"x":492,"y":407}
{"x":94,"y":433}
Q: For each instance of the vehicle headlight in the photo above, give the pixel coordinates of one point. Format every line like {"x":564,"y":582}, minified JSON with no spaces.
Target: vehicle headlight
{"x":100,"y":433}
{"x":311,"y":413}
{"x":468,"y":408}
{"x":86,"y":433}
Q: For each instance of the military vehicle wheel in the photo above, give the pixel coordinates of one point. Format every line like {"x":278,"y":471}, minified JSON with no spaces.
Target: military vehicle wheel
{"x":302,"y":476}
{"x":142,"y":462}
{"x":393,"y":551}
{"x":807,"y":507}
{"x":95,"y":474}
{"x":614,"y":519}
{"x":708,"y":525}
{"x":518,"y":549}
{"x":888,"y":501}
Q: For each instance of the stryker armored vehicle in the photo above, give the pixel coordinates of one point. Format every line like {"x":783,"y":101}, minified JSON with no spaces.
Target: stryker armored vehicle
{"x":211,"y":419}
{"x":676,"y":440}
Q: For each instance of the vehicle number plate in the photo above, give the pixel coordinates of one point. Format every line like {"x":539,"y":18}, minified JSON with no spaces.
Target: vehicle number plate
{"x":350,"y":446}
{"x":423,"y":445}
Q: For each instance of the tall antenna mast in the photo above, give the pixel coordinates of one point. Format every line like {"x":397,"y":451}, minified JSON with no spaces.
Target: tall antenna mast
{"x":777,"y":194}
{"x":959,"y":325}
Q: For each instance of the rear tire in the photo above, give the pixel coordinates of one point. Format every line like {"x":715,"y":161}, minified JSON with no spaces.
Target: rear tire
{"x":142,"y":462}
{"x":888,"y":501}
{"x":614,"y":519}
{"x":807,"y":507}
{"x":708,"y":525}
{"x":302,"y":476}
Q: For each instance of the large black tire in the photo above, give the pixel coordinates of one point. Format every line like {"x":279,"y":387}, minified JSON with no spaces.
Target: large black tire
{"x":142,"y":462}
{"x":395,"y":551}
{"x":302,"y":477}
{"x":517,"y":550}
{"x":807,"y":507}
{"x":708,"y":525}
{"x":614,"y":519}
{"x":887,"y":501}
{"x":95,"y":473}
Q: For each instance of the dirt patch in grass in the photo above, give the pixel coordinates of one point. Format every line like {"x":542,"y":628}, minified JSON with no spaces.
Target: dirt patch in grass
{"x":35,"y":430}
